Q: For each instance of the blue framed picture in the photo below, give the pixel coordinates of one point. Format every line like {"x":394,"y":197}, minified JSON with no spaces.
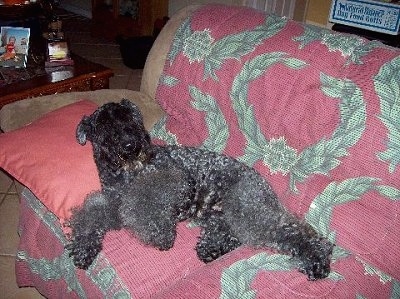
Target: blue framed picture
{"x":14,"y":46}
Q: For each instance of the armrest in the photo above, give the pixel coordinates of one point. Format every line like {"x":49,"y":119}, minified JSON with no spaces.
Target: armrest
{"x":156,"y":58}
{"x":20,"y":113}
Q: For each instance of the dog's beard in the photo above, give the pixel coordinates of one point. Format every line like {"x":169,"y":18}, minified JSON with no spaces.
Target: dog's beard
{"x":134,"y":164}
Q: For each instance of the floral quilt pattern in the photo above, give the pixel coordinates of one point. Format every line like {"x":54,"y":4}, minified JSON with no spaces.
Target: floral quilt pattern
{"x":314,"y":111}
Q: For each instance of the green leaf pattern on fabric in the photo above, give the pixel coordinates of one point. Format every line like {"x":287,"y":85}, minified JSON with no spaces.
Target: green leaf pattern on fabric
{"x":181,"y":34}
{"x":311,"y":34}
{"x":319,"y":158}
{"x":160,"y":131}
{"x":346,"y":44}
{"x":389,"y":192}
{"x":101,"y":273}
{"x":168,"y":80}
{"x":352,"y":47}
{"x":387,"y":86}
{"x":320,"y":212}
{"x":218,"y":129}
{"x":363,"y":50}
{"x":236,"y":279}
{"x":107,"y":279}
{"x":237,"y":45}
{"x":200,"y":46}
{"x":323,"y":156}
{"x":370,"y":270}
{"x":275,"y":152}
{"x":395,"y":290}
{"x":58,"y":268}
{"x":279,"y":156}
{"x":321,"y":209}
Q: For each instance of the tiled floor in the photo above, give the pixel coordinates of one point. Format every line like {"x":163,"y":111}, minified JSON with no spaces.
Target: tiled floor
{"x":94,"y":49}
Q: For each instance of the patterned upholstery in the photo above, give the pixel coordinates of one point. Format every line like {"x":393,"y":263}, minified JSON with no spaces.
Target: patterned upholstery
{"x":315,"y":112}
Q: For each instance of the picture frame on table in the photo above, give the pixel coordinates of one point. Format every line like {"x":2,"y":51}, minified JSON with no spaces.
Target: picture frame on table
{"x":14,"y":46}
{"x":58,"y":53}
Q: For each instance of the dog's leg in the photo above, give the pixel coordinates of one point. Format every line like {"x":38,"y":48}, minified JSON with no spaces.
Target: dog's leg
{"x":258,"y":219}
{"x":216,"y":239}
{"x":154,"y":227}
{"x":88,"y":226}
{"x":312,"y":251}
{"x":148,"y":206}
{"x":112,"y":219}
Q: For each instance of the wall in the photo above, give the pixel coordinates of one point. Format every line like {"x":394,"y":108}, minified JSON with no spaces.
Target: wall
{"x":318,"y":12}
{"x":175,"y":5}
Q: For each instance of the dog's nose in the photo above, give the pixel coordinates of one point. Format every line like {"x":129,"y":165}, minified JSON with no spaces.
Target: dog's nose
{"x":130,"y":149}
{"x":128,"y":146}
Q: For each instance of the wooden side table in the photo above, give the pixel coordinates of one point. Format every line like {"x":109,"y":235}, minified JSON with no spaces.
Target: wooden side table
{"x":83,"y":76}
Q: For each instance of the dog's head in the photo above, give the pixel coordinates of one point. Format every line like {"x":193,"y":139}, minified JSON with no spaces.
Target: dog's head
{"x":118,"y":136}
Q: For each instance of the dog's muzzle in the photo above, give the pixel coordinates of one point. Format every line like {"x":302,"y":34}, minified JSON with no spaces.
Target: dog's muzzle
{"x":134,"y":164}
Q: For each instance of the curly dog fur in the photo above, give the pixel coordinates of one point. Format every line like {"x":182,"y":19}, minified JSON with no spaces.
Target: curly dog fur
{"x":148,"y":189}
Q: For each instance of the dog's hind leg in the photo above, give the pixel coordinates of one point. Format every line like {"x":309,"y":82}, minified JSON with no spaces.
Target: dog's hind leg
{"x":148,"y":206}
{"x":216,"y":239}
{"x":88,"y":226}
{"x":258,"y":219}
{"x":154,"y":225}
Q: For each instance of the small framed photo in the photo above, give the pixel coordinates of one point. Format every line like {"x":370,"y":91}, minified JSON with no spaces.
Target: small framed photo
{"x":58,"y":53}
{"x":14,"y":46}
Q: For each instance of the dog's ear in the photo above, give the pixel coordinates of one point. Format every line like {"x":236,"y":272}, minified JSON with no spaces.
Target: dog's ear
{"x":83,"y":130}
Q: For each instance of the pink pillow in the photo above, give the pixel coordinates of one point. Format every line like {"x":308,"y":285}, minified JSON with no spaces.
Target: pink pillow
{"x":45,"y":157}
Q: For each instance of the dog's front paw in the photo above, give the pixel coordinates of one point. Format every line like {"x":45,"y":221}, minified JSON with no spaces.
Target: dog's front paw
{"x":83,"y":250}
{"x":315,"y":270}
{"x":209,"y":249}
{"x":316,"y":261}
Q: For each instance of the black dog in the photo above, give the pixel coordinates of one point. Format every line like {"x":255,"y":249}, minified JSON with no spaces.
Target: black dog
{"x":148,"y":189}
